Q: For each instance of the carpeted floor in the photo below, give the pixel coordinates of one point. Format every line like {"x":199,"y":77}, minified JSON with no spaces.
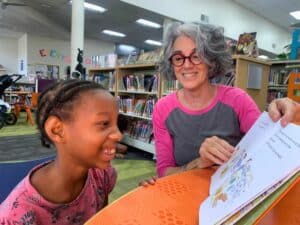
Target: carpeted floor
{"x":21,"y":142}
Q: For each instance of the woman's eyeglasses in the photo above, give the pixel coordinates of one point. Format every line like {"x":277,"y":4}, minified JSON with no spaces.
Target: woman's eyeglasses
{"x":178,"y":59}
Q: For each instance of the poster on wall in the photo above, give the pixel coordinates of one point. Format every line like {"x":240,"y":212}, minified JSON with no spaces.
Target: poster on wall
{"x":247,"y":44}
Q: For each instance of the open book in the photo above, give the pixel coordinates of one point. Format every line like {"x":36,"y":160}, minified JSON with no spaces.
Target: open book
{"x":266,"y":157}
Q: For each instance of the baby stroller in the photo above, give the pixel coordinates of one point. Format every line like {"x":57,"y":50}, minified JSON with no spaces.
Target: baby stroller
{"x":6,"y":116}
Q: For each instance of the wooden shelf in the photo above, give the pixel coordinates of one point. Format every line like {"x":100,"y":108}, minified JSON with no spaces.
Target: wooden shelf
{"x":138,"y":92}
{"x":148,"y":147}
{"x":278,"y":87}
{"x":101,"y":69}
{"x":274,"y":62}
{"x":135,"y":116}
{"x":136,"y":66}
{"x":251,"y":59}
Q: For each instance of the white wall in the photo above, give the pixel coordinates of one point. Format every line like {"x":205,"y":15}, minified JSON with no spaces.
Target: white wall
{"x":9,"y":48}
{"x":22,"y":55}
{"x":9,"y":54}
{"x":57,"y":52}
{"x":234,"y":18}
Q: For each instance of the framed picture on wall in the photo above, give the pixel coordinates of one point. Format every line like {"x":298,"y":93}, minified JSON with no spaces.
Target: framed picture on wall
{"x":247,"y":44}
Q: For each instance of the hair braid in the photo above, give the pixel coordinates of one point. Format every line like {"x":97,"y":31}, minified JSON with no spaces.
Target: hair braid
{"x":58,"y":100}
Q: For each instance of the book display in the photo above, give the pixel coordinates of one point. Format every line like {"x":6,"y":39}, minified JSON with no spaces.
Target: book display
{"x":246,"y":179}
{"x":279,"y":78}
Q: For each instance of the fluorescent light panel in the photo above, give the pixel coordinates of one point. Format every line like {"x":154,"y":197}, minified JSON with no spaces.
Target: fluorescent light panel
{"x":93,"y":7}
{"x":113,"y":33}
{"x":148,"y":23}
{"x":295,"y":14}
{"x":127,"y":48}
{"x":151,"y":42}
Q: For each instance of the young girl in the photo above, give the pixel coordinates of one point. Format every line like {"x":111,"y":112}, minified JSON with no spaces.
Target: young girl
{"x":80,"y":119}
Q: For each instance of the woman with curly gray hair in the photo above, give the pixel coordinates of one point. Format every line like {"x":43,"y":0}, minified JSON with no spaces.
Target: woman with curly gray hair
{"x":198,"y":125}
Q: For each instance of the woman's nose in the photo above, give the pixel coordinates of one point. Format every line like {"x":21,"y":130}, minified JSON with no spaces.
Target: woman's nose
{"x":187,"y":62}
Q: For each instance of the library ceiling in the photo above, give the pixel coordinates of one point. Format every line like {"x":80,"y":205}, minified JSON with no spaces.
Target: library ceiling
{"x":52,"y":18}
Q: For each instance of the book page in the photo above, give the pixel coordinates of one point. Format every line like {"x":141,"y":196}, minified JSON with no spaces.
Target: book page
{"x":269,"y":163}
{"x":263,"y":128}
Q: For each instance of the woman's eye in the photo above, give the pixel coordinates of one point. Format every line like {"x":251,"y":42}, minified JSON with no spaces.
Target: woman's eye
{"x":196,"y":57}
{"x":178,"y":58}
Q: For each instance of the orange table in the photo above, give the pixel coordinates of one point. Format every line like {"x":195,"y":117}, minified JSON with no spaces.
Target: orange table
{"x":175,"y":200}
{"x":285,"y":210}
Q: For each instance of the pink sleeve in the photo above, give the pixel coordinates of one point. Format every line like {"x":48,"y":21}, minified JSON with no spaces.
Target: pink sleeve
{"x":249,"y":113}
{"x":245,"y":107}
{"x":163,"y":141}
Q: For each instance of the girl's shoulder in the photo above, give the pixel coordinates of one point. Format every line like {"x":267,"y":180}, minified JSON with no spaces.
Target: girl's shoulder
{"x":16,"y":203}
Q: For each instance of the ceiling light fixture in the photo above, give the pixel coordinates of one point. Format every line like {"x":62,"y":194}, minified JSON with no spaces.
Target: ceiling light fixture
{"x":113,"y":33}
{"x":93,"y":7}
{"x":127,"y":48}
{"x":295,"y":14}
{"x":148,"y":23}
{"x":151,"y":42}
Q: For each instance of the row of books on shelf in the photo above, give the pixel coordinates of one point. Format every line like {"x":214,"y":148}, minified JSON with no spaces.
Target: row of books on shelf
{"x":228,"y":79}
{"x":140,"y":129}
{"x":140,"y":82}
{"x":279,"y":77}
{"x":142,"y":58}
{"x":276,"y":94}
{"x":139,"y":107}
{"x":107,"y":80}
{"x":170,"y":86}
{"x":109,"y":60}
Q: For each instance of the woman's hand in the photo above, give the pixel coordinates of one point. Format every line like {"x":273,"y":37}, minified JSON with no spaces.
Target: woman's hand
{"x":150,"y":181}
{"x":215,"y":150}
{"x":283,"y":108}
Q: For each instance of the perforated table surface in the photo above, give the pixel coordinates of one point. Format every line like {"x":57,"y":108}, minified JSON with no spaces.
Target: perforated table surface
{"x":173,"y":200}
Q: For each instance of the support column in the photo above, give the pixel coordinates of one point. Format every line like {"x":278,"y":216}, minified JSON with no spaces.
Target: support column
{"x":77,"y":30}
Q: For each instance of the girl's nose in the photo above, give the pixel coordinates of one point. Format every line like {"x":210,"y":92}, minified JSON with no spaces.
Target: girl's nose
{"x":116,"y":135}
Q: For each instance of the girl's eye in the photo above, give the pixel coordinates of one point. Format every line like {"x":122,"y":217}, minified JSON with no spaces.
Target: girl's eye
{"x":103,"y":123}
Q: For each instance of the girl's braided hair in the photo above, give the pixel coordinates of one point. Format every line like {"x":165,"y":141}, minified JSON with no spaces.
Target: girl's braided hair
{"x":59,"y":100}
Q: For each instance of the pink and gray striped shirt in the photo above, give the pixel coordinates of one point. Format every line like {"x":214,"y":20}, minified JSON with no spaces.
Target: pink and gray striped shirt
{"x":179,"y":132}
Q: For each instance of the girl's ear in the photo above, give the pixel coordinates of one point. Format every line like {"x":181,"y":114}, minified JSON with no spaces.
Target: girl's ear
{"x":54,"y":129}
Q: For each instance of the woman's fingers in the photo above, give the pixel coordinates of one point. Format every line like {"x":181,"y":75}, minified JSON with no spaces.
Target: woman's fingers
{"x":216,"y":150}
{"x":283,"y":108}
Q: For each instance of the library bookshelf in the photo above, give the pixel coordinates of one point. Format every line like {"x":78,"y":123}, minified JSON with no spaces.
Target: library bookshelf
{"x":280,"y":79}
{"x":137,"y":88}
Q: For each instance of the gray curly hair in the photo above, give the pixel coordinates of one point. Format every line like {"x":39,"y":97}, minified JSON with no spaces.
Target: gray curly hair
{"x":210,"y":44}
